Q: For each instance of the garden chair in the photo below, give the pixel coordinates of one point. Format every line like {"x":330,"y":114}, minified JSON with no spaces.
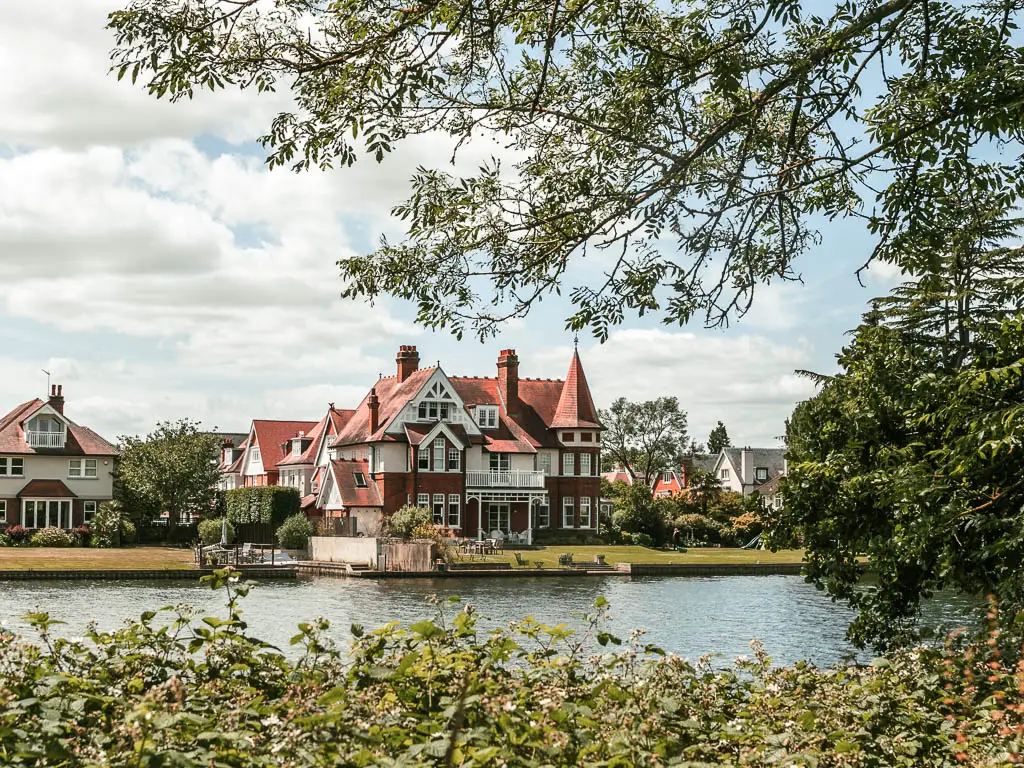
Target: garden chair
{"x":520,"y":560}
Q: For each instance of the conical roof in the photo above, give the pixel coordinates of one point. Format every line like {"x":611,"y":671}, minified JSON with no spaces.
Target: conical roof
{"x":575,"y":405}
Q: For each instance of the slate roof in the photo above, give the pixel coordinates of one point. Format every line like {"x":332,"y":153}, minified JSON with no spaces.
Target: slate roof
{"x":352,"y":495}
{"x":771,"y":487}
{"x":270,"y":435}
{"x":774,"y":459}
{"x":46,"y":489}
{"x":81,"y":441}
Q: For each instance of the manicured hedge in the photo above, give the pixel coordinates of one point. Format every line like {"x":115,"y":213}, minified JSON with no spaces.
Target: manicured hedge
{"x":447,"y":692}
{"x":268,"y":504}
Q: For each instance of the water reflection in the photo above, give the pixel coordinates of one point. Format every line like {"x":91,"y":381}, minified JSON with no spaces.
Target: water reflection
{"x":688,"y":616}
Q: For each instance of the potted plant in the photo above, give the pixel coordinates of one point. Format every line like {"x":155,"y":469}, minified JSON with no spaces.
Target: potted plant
{"x":599,"y":559}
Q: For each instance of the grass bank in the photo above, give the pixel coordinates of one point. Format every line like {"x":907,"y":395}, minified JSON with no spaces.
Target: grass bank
{"x":85,"y":559}
{"x":632,"y":554}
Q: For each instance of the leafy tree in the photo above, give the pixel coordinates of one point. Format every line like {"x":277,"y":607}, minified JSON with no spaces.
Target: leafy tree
{"x":718,"y":439}
{"x":703,"y":488}
{"x":636,"y":512}
{"x":294,"y":532}
{"x":645,"y":438}
{"x":174,"y":469}
{"x":911,"y":454}
{"x":727,"y":127}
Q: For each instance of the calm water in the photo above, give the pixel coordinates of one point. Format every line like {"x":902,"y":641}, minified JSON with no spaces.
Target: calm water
{"x":688,"y":616}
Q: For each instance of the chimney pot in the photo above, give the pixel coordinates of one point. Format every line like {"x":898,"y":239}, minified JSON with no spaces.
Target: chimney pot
{"x":508,"y":381}
{"x":57,"y":398}
{"x":373,"y":405}
{"x":408,"y":360}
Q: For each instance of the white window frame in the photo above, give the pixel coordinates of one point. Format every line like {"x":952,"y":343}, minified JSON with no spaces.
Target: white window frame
{"x":454,"y":510}
{"x":83,"y":469}
{"x":568,"y":512}
{"x":586,"y":464}
{"x":7,"y":466}
{"x":357,"y":476}
{"x":88,"y":511}
{"x":454,"y":460}
{"x":423,"y":459}
{"x":499,"y":459}
{"x":569,"y":464}
{"x":502,"y":514}
{"x":47,"y":512}
{"x":666,"y":477}
{"x":585,"y":507}
{"x":3,"y":510}
{"x":438,"y":509}
{"x":724,"y":474}
{"x":761,"y":474}
{"x":439,"y":454}
{"x":542,"y":519}
{"x":544,"y":463}
{"x":487,"y":416}
{"x":423,"y":500}
{"x":254,"y":454}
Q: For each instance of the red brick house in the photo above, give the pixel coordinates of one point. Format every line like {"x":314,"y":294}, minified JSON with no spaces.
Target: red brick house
{"x":306,"y":456}
{"x":53,"y":472}
{"x":485,"y":454}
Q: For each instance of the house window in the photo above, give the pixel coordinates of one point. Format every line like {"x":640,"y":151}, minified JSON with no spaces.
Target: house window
{"x":586,"y":437}
{"x":454,"y":510}
{"x":424,"y":458}
{"x":724,"y":474}
{"x":666,"y":477}
{"x":544,"y":463}
{"x":422,"y":499}
{"x":497,"y":518}
{"x":3,"y":510}
{"x":12,"y":467}
{"x":432,"y":410}
{"x":568,"y":463}
{"x":585,"y":460}
{"x":542,"y":517}
{"x":778,"y":501}
{"x":360,"y":479}
{"x":761,"y":473}
{"x":453,"y":459}
{"x":569,"y":437}
{"x":568,"y":512}
{"x":487,"y":416}
{"x":296,"y":447}
{"x":88,"y":510}
{"x":439,"y":454}
{"x":37,"y":513}
{"x":500,"y":462}
{"x":584,"y":512}
{"x":82,"y":468}
{"x":438,"y":509}
{"x":254,"y":456}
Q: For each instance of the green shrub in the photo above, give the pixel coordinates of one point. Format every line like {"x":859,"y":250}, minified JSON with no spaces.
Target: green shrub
{"x":210,"y":531}
{"x":266,"y":504}
{"x":5,"y":541}
{"x":642,"y":539}
{"x":294,"y":532}
{"x":407,"y":519}
{"x":212,"y":694}
{"x":52,"y":537}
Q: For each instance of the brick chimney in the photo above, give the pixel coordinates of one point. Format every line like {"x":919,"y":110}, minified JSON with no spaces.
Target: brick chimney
{"x":408,"y":361}
{"x":57,"y":398}
{"x":508,"y":380}
{"x":373,"y":404}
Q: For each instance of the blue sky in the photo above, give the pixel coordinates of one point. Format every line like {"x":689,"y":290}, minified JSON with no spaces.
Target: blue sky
{"x":153,"y":265}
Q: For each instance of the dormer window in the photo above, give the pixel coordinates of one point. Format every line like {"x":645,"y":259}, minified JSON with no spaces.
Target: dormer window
{"x":487,"y":416}
{"x":360,"y":479}
{"x":761,"y":473}
{"x":433,"y":410}
{"x":45,"y":432}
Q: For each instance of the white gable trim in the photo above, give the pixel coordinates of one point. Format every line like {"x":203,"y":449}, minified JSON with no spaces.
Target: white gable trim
{"x":252,"y":442}
{"x":329,"y":496}
{"x":322,"y":458}
{"x":439,"y":428}
{"x":48,"y":410}
{"x":409,"y":411}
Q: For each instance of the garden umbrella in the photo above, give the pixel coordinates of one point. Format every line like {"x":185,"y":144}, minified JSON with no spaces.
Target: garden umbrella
{"x":224,"y":531}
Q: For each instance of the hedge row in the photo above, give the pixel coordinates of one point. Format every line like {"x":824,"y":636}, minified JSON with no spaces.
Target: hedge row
{"x":268,"y":504}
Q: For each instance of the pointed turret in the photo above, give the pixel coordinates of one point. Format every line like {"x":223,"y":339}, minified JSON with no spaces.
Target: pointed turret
{"x":575,"y":405}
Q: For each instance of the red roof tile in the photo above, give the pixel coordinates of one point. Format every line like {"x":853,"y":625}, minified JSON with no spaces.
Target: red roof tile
{"x":46,"y":489}
{"x":81,"y":441}
{"x":270,"y":435}
{"x":353,"y":495}
{"x":575,"y":405}
{"x":392,"y":396}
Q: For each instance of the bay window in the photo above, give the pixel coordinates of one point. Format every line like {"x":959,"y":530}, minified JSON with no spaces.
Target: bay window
{"x":568,"y":463}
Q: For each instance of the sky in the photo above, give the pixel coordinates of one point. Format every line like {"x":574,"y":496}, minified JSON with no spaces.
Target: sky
{"x":158,"y":271}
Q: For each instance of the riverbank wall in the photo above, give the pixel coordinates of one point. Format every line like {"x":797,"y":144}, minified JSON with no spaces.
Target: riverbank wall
{"x":710,"y":569}
{"x":144,"y":574}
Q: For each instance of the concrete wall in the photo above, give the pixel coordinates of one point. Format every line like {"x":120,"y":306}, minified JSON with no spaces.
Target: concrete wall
{"x":408,"y":555}
{"x":344,"y":549}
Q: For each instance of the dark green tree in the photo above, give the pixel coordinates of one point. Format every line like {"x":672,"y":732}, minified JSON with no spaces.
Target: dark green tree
{"x":911,"y":455}
{"x":718,"y":439}
{"x":174,"y":469}
{"x":644,"y":438}
{"x":696,"y":143}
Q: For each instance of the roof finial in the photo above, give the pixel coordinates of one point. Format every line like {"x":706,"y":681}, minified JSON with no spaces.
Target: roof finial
{"x":576,"y":341}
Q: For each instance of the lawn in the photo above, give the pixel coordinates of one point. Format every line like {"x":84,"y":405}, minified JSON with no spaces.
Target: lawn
{"x":633,"y":554}
{"x":85,"y":559}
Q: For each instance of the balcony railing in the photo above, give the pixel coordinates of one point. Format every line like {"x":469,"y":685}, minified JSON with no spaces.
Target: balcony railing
{"x":45,"y":439}
{"x":477,"y":478}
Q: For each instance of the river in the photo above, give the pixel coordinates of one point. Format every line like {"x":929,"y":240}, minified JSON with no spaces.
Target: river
{"x":688,"y":616}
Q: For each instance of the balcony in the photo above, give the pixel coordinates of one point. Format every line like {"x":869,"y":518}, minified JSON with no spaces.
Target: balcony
{"x":480,"y":478}
{"x":45,"y":439}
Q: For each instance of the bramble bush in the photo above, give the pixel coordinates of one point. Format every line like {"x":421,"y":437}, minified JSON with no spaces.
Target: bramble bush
{"x":169,"y":689}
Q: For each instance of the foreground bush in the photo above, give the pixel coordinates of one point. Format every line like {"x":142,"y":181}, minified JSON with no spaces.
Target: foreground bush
{"x":52,"y":537}
{"x":170,"y":690}
{"x":407,"y":519}
{"x":294,"y":532}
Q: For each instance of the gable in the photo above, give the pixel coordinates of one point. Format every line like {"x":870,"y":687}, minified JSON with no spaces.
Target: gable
{"x":437,"y":388}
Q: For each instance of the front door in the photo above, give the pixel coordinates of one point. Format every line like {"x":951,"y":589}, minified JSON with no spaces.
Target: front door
{"x":497,"y":518}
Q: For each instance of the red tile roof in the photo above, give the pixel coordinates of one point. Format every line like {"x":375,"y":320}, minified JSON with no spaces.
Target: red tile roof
{"x":81,"y":441}
{"x":326,"y":428}
{"x":575,"y":405}
{"x":270,"y":435}
{"x":392,"y":396}
{"x":351,"y":494}
{"x":46,"y":489}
